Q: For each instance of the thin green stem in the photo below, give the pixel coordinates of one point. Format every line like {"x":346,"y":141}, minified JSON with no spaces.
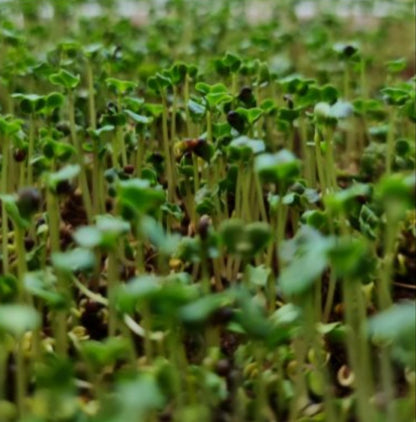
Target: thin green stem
{"x":357,"y":347}
{"x":31,"y":149}
{"x":21,"y":260}
{"x":390,"y":140}
{"x":260,"y":198}
{"x":20,"y":378}
{"x":19,"y":352}
{"x":187,"y":112}
{"x":139,"y":155}
{"x":331,"y":170}
{"x":167,"y":151}
{"x":319,"y":162}
{"x":60,"y":320}
{"x":81,"y":159}
{"x":112,"y":282}
{"x":330,"y":296}
{"x":209,"y":126}
{"x":91,"y":95}
{"x":4,"y":219}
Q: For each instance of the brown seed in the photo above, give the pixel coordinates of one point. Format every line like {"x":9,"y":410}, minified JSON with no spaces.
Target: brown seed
{"x":28,"y":201}
{"x":203,"y":226}
{"x":19,"y":155}
{"x":29,"y":243}
{"x":223,"y":367}
{"x":63,"y":187}
{"x":128,"y":169}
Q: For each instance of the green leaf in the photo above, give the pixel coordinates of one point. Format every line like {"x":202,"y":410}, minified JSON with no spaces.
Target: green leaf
{"x":178,"y":72}
{"x":174,"y":210}
{"x":397,"y":191}
{"x":139,"y":196}
{"x":8,"y":287}
{"x":97,"y":133}
{"x":173,"y":295}
{"x":105,"y":234}
{"x":139,"y":118}
{"x":57,"y":149}
{"x":116,"y":119}
{"x":277,"y":168}
{"x":214,"y":94}
{"x":17,"y":319}
{"x":323,"y":113}
{"x":79,"y":259}
{"x":42,"y":285}
{"x":352,"y":258}
{"x":244,"y":239}
{"x":397,"y":325}
{"x":342,"y":201}
{"x":159,"y":83}
{"x":202,"y":88}
{"x":13,"y":211}
{"x":396,"y":66}
{"x":232,"y":61}
{"x":243,"y":148}
{"x":369,"y":222}
{"x":232,"y":235}
{"x":166,"y":243}
{"x":88,"y":236}
{"x":253,"y":114}
{"x":91,"y":50}
{"x":101,"y":354}
{"x":154,"y":109}
{"x":316,"y":219}
{"x":258,"y":235}
{"x":215,"y":98}
{"x":119,"y":86}
{"x":140,"y":288}
{"x":329,"y":94}
{"x":395,"y":96}
{"x":201,"y":309}
{"x":305,"y":258}
{"x":30,"y":103}
{"x":341,"y":110}
{"x":54,"y":100}
{"x":288,"y":114}
{"x":65,"y":173}
{"x":9,"y":127}
{"x":259,"y":275}
{"x":189,"y":249}
{"x":288,"y":314}
{"x":135,"y":398}
{"x":196,"y":109}
{"x":133,"y":103}
{"x":65,"y":79}
{"x":268,"y":106}
{"x":252,"y":317}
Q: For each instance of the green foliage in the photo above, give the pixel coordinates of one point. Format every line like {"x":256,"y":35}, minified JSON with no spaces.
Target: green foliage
{"x":18,"y":319}
{"x":207,"y":211}
{"x":280,"y":168}
{"x":305,"y":258}
{"x":65,"y":79}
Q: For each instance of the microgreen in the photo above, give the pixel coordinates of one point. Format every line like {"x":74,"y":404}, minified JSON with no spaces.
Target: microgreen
{"x":207,"y":211}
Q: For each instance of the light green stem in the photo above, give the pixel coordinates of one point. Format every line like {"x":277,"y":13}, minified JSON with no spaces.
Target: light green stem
{"x":80,"y":156}
{"x":4,"y":219}
{"x":60,"y":319}
{"x":167,"y":152}
{"x":31,"y":149}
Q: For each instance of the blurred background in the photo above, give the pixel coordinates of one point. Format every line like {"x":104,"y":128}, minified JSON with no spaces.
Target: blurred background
{"x":289,"y":35}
